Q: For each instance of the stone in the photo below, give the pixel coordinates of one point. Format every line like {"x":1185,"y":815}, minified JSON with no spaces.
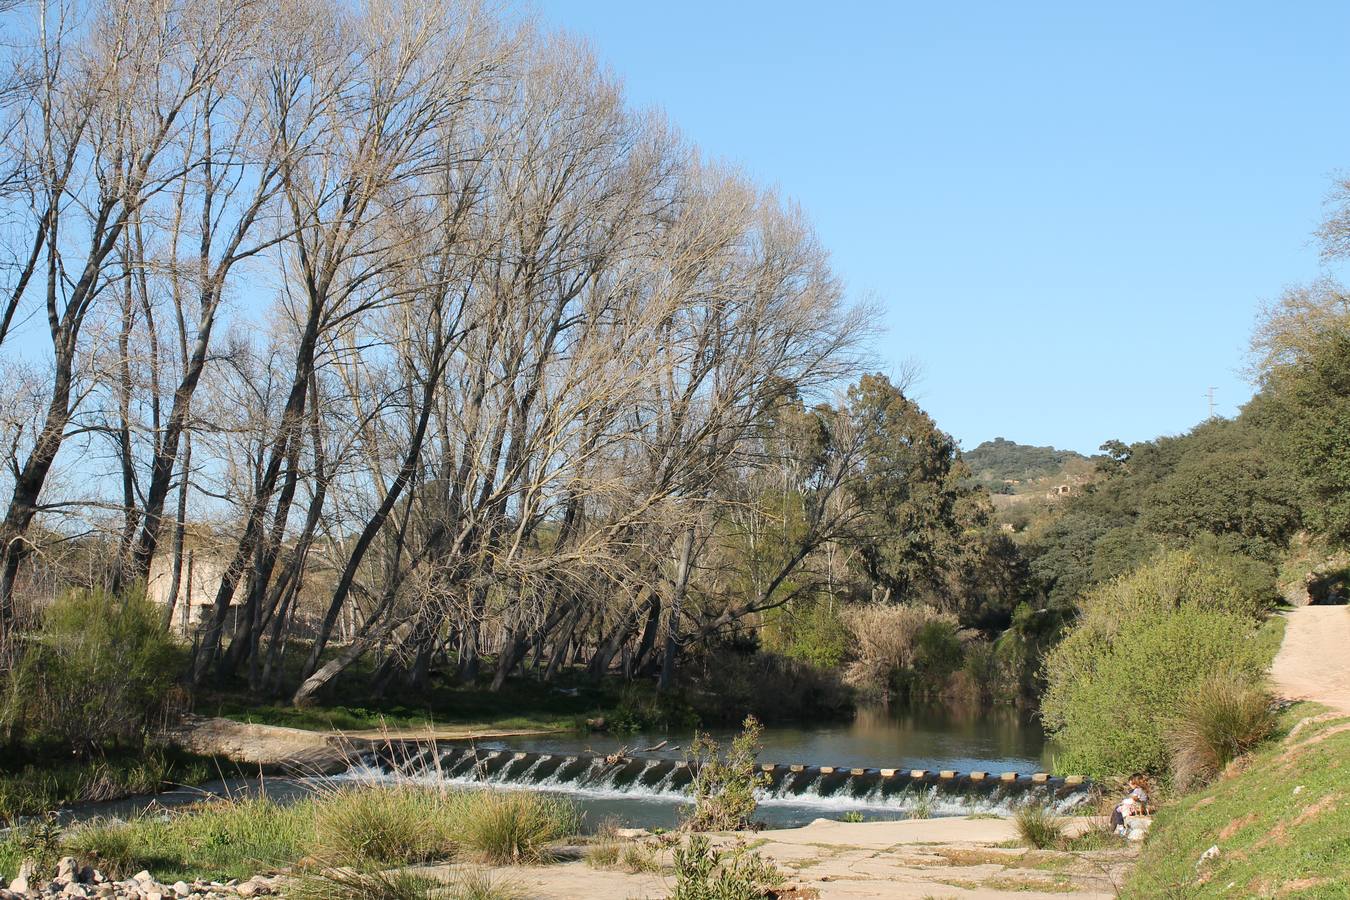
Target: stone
{"x":1211,"y":853}
{"x":74,"y":890}
{"x":181,"y":888}
{"x":143,"y":877}
{"x":247,"y":889}
{"x":67,"y":869}
{"x":19,"y":885}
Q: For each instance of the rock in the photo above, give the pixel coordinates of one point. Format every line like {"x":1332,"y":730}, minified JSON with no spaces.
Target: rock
{"x":67,"y":870}
{"x":73,"y":889}
{"x":1211,"y":853}
{"x":142,"y":877}
{"x":154,"y":895}
{"x":247,"y":889}
{"x":20,"y":885}
{"x":181,"y":888}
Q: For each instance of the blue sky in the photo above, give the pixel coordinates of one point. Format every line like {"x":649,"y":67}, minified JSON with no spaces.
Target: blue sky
{"x":1069,"y":211}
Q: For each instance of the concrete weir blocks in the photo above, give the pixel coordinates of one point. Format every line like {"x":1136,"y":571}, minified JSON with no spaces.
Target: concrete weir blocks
{"x":888,"y":773}
{"x":918,"y":773}
{"x":1074,"y":779}
{"x":768,"y":767}
{"x":827,"y":770}
{"x":1008,"y":776}
{"x":978,"y":776}
{"x":947,"y":773}
{"x":1040,"y":778}
{"x":796,"y":767}
{"x":857,"y":771}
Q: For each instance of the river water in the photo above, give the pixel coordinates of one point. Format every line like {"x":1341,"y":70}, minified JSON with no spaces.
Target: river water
{"x":647,"y":786}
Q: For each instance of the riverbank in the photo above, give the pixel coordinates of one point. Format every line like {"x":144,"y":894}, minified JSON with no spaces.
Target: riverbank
{"x":969,"y":857}
{"x":1276,"y":824}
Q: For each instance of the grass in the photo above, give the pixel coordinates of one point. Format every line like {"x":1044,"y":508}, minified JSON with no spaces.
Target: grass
{"x":341,"y":884}
{"x":1038,"y":826}
{"x":506,"y":827}
{"x":1282,"y":823}
{"x":1223,"y":719}
{"x":520,"y":705}
{"x":393,"y":825}
{"x":42,"y":780}
{"x":349,"y":832}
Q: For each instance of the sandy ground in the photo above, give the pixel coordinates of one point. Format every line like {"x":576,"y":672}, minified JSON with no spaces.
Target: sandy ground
{"x":939,"y":858}
{"x":1314,"y":660}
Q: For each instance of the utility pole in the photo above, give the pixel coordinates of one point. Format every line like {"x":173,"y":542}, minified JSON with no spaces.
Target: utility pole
{"x":1210,"y":395}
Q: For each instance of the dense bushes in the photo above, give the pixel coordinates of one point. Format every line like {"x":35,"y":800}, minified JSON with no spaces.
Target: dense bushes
{"x":901,"y":647}
{"x":95,"y":675}
{"x":1145,"y":641}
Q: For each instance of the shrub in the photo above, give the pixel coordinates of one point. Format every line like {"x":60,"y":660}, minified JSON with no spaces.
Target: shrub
{"x":723,"y":790}
{"x":512,"y":826}
{"x":97,"y":673}
{"x":705,"y":873}
{"x":893,"y":642}
{"x":1223,"y":718}
{"x":812,"y":631}
{"x":1142,"y":643}
{"x":365,"y":826}
{"x":1038,"y":826}
{"x":1111,"y":695}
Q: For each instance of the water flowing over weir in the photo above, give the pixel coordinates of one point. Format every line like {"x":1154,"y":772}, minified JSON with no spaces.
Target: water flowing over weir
{"x":894,"y":793}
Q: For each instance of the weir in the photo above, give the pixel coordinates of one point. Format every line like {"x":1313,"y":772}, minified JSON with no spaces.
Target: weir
{"x":637,"y":776}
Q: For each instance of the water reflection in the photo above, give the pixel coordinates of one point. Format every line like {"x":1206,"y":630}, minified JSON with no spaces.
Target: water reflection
{"x":995,"y":739}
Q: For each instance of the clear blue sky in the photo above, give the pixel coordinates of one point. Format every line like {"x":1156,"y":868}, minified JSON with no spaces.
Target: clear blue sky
{"x":1069,"y":211}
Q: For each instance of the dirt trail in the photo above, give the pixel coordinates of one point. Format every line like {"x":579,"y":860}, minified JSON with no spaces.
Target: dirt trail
{"x":1314,"y":660}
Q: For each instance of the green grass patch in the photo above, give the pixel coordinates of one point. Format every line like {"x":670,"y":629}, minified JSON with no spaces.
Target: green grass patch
{"x":1282,"y":825}
{"x":519,"y":706}
{"x":363,"y":830}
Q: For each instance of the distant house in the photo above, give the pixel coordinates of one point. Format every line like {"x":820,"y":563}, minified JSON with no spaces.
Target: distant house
{"x":205,"y":559}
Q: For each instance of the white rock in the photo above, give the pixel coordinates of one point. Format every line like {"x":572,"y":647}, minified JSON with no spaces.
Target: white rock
{"x":1211,"y":853}
{"x":181,"y":888}
{"x":19,"y":885}
{"x":142,"y":877}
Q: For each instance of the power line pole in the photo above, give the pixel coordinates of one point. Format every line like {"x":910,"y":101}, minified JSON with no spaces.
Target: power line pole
{"x":1210,"y":395}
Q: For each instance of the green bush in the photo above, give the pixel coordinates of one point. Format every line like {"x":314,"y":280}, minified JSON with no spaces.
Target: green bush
{"x":1141,"y":645}
{"x":723,"y":789}
{"x":1112,"y":693}
{"x":705,"y":873}
{"x":1224,"y":717}
{"x":1203,"y":576}
{"x":95,"y":675}
{"x":813,"y":632}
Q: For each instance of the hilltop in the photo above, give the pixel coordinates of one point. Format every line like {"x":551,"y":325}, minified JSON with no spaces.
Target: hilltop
{"x":1002,"y":461}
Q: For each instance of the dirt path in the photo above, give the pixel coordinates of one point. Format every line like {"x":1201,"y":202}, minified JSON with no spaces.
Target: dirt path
{"x":1314,"y":660}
